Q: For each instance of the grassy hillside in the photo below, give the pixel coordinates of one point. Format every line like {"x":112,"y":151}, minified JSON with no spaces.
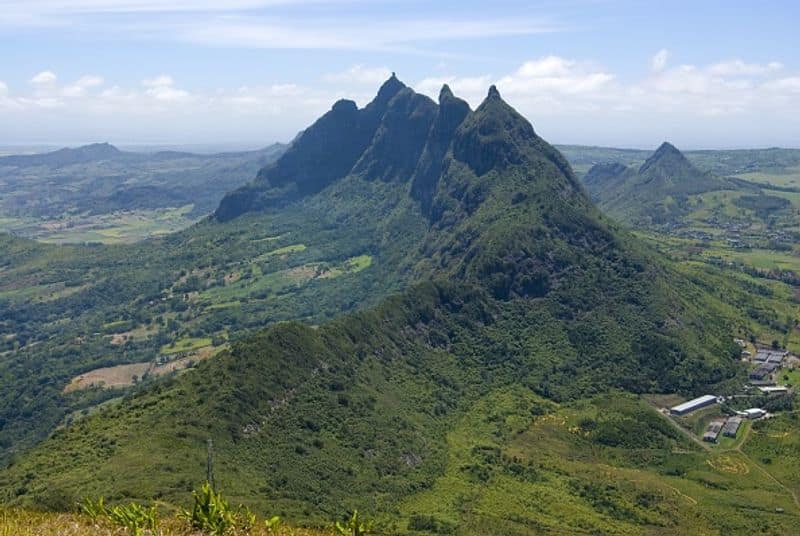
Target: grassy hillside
{"x":515,"y":463}
{"x":519,"y":300}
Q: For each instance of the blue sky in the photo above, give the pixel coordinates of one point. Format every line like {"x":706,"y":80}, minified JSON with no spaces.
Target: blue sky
{"x":605,"y":72}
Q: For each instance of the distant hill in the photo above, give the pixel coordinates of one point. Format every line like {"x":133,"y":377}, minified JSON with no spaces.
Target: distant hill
{"x":517,"y":296}
{"x":99,"y":179}
{"x":723,"y":162}
{"x":65,"y":157}
{"x":654,"y":193}
{"x":97,"y":152}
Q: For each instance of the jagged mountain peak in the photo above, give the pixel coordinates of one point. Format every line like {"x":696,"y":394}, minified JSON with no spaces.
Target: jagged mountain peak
{"x":401,"y":135}
{"x":667,"y":147}
{"x":448,"y":101}
{"x":666,"y":154}
{"x":656,"y":192}
{"x":388,"y":90}
{"x":495,"y":135}
{"x":494,"y":106}
{"x":445,"y":93}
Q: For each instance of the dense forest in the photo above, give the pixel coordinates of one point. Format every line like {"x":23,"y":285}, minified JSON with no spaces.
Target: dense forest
{"x":483,"y":294}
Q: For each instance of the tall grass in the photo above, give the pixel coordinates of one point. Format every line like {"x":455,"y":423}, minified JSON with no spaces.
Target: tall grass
{"x":16,"y":522}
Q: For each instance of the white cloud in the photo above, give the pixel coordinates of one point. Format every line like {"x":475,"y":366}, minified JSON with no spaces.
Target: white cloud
{"x":359,"y":74}
{"x":737,"y":67}
{"x":88,"y":81}
{"x":167,"y":93}
{"x":158,"y":81}
{"x":788,"y":85}
{"x":44,"y":78}
{"x":554,"y":75}
{"x":551,"y":83}
{"x":351,"y":33}
{"x":3,"y":89}
{"x":569,"y":100}
{"x":469,"y":87}
{"x":249,"y":24}
{"x":551,"y":66}
{"x":162,"y":88}
{"x":659,"y":61}
{"x":82,"y":85}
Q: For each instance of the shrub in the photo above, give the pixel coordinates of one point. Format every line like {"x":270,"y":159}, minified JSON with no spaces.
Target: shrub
{"x":93,"y":509}
{"x":272,"y":523}
{"x":214,"y":515}
{"x":211,"y":513}
{"x":134,"y":517}
{"x":354,"y":526}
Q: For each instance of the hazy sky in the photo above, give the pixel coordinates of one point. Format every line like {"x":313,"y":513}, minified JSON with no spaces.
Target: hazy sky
{"x":605,"y":72}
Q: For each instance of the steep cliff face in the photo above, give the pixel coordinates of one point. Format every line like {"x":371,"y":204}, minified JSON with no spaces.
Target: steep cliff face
{"x":399,"y":136}
{"x":323,"y":153}
{"x":395,"y":148}
{"x":451,"y":113}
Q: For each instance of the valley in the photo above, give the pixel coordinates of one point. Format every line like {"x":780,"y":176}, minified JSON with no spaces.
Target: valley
{"x":336,"y":268}
{"x":416,"y":311}
{"x":100,"y":194}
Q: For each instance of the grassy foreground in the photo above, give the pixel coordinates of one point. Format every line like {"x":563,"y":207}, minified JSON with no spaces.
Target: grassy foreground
{"x":17,"y":522}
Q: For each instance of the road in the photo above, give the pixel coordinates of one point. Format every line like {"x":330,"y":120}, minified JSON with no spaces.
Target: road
{"x":686,"y":433}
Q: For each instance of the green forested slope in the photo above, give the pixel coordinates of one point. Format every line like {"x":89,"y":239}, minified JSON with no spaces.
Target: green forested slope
{"x":63,"y":308}
{"x":520,"y":296}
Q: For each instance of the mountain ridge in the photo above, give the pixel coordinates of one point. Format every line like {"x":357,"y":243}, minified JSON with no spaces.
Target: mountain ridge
{"x":435,"y":126}
{"x":519,"y":282}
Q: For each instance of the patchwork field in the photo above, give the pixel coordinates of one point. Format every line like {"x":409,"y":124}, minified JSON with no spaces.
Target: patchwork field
{"x":97,"y":193}
{"x":781,"y":176}
{"x":113,"y":228}
{"x":121,"y":376}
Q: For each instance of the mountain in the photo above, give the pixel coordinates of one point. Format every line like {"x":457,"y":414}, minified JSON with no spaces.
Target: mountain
{"x":85,"y":184}
{"x":655,"y":193}
{"x":388,"y":133}
{"x":64,"y":157}
{"x":483,"y":397}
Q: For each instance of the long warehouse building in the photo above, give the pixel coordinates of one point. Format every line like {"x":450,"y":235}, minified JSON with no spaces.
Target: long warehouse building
{"x":693,"y":405}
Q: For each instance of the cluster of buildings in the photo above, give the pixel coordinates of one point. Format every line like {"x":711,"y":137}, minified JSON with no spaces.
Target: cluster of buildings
{"x":763,"y":372}
{"x":767,"y":361}
{"x":730,"y":427}
{"x":770,"y":356}
{"x":713,"y":430}
{"x":727,"y":427}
